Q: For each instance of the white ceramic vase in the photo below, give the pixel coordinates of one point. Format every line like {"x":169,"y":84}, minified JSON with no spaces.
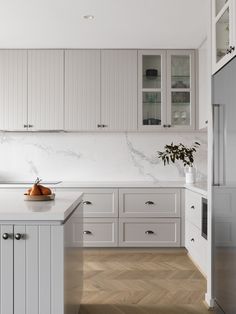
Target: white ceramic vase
{"x":190,"y":175}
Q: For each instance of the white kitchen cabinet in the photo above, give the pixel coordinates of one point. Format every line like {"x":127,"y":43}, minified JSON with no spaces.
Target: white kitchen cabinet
{"x":45,"y":90}
{"x":37,"y":273}
{"x":82,"y":90}
{"x":13,"y":90}
{"x":151,"y":89}
{"x":118,"y":90}
{"x":223,"y":32}
{"x":204,"y":84}
{"x":181,"y":88}
{"x":167,"y":90}
{"x":162,"y":232}
{"x":149,"y":202}
{"x":195,"y":243}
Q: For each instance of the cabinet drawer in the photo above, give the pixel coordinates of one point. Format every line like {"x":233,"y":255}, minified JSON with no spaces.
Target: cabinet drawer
{"x":149,"y":232}
{"x":196,"y":246}
{"x":149,"y":202}
{"x":100,"y":202}
{"x":193,"y":208}
{"x":99,"y":232}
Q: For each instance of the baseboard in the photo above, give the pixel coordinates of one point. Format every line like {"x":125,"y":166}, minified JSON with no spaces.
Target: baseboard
{"x":209,"y":302}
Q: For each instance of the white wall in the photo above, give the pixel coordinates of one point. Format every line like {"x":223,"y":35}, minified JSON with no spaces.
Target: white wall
{"x":93,"y":156}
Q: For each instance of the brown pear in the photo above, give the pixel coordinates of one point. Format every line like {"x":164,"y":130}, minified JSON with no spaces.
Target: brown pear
{"x":35,"y":190}
{"x":44,"y":190}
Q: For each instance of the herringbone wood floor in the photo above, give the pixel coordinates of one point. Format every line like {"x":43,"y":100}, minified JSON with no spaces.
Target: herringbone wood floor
{"x":136,"y":281}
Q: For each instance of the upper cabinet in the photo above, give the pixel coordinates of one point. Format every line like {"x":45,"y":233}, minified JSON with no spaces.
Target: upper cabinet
{"x":45,"y":90}
{"x":82,"y":90}
{"x":223,"y":32}
{"x":166,"y":89}
{"x":13,"y":90}
{"x":119,"y":90}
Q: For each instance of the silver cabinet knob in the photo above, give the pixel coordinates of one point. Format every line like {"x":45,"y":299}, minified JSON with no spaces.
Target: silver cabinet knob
{"x":149,"y":232}
{"x":5,"y":236}
{"x":18,"y":236}
{"x":87,"y":232}
{"x":149,"y":203}
{"x":87,"y":203}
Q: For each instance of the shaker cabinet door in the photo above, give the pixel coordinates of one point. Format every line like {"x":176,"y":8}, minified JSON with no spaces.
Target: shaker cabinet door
{"x":119,"y":90}
{"x":82,"y":90}
{"x":45,"y":90}
{"x":6,"y":269}
{"x":13,"y":90}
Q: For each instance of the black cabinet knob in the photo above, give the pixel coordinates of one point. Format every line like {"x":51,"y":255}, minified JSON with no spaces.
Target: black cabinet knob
{"x":149,"y":203}
{"x":5,"y":236}
{"x":18,"y":236}
{"x":87,"y":203}
{"x":192,"y":240}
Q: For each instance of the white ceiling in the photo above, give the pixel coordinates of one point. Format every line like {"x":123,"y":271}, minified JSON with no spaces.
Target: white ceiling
{"x":117,"y":23}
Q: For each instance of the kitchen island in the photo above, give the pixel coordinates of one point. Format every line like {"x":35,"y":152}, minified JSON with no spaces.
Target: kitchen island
{"x":39,"y":272}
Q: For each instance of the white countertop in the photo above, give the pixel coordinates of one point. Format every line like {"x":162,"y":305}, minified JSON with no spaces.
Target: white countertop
{"x":13,"y":207}
{"x":200,"y":187}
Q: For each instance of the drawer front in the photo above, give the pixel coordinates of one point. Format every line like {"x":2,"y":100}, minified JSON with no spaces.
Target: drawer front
{"x":149,"y":202}
{"x":193,"y":208}
{"x":149,"y":232}
{"x":196,"y":246}
{"x":100,"y":202}
{"x":99,"y":232}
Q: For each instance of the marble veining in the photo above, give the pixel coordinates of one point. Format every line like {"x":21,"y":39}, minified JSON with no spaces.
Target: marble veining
{"x":95,"y":156}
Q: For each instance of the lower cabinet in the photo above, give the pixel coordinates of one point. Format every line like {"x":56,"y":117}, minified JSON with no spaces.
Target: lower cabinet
{"x":39,"y":269}
{"x":195,"y":243}
{"x":162,"y":232}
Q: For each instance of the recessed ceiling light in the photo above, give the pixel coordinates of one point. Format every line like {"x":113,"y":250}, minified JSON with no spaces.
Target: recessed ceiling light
{"x":89,"y":17}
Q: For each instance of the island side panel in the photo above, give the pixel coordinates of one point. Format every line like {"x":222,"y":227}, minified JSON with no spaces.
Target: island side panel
{"x":57,"y":269}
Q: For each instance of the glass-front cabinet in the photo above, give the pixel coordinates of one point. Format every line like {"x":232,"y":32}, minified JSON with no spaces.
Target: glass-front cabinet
{"x":166,"y":89}
{"x":223,"y":32}
{"x":152,"y":71}
{"x":181,"y":89}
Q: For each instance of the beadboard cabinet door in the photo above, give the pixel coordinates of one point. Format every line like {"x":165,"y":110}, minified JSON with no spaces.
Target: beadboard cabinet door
{"x":13,"y":90}
{"x":119,"y":90}
{"x":6,"y":269}
{"x":45,"y":90}
{"x":82,"y":90}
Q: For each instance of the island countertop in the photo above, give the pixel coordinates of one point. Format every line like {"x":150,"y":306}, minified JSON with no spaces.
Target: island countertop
{"x":13,"y":207}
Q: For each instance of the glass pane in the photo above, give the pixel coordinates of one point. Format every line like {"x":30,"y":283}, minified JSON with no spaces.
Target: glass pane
{"x":151,"y":108}
{"x":222,"y":35}
{"x":180,"y":71}
{"x":180,"y":113}
{"x":151,"y":71}
{"x":219,"y":5}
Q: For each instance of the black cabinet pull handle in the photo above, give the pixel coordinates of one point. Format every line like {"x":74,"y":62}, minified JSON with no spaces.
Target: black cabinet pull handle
{"x":87,"y":232}
{"x":169,"y":125}
{"x":192,"y":207}
{"x":87,"y":203}
{"x":192,"y":240}
{"x":18,"y":236}
{"x":25,"y":125}
{"x":149,"y":203}
{"x":5,"y":236}
{"x":164,"y":125}
{"x":102,"y":126}
{"x":149,"y":232}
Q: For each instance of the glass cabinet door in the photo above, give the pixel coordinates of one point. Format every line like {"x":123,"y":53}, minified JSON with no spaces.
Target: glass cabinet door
{"x":223,"y":32}
{"x":151,"y":75}
{"x":181,"y":89}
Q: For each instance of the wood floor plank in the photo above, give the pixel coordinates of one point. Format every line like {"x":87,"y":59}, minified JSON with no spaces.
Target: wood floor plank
{"x":141,"y":281}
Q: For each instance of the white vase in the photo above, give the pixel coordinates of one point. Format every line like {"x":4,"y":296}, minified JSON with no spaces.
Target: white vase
{"x":190,"y":175}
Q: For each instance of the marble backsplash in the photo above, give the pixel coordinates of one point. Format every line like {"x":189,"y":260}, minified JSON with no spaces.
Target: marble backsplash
{"x":94,"y":156}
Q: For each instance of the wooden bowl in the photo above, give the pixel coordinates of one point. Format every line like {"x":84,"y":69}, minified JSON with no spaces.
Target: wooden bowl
{"x":39,"y":197}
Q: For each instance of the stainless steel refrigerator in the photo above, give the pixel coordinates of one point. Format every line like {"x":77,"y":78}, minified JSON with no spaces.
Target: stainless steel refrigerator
{"x":224,"y":189}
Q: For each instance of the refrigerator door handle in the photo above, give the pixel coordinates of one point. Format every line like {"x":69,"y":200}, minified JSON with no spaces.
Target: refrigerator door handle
{"x":218,"y":145}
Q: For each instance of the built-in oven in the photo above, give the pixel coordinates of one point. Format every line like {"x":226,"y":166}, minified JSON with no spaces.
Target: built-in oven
{"x":204,"y":217}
